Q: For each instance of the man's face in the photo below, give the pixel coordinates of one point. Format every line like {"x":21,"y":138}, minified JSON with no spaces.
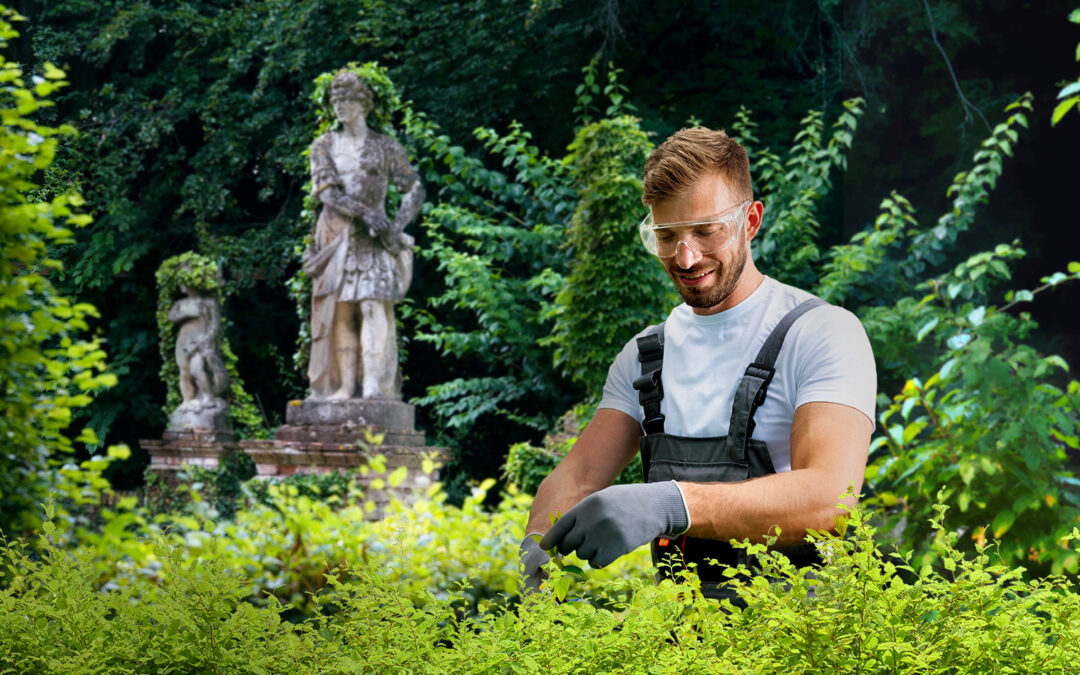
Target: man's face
{"x":703,"y":280}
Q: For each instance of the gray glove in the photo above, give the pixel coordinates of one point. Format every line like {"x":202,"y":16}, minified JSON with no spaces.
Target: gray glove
{"x":532,"y":561}
{"x":616,"y":520}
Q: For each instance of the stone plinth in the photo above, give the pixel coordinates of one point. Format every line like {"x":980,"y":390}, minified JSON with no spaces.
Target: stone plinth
{"x":358,"y":412}
{"x":278,"y":459}
{"x":187,"y":448}
{"x":319,"y":437}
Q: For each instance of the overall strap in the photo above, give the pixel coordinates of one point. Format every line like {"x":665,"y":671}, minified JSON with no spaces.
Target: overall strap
{"x":754,"y":384}
{"x":650,"y":390}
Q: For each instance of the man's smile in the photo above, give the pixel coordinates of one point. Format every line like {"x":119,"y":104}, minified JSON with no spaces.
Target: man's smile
{"x":695,"y":278}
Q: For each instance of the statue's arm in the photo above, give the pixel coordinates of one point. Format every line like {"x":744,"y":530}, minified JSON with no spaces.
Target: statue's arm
{"x":336,"y":199}
{"x":183,"y":309}
{"x":407,"y":181}
{"x":326,"y":185}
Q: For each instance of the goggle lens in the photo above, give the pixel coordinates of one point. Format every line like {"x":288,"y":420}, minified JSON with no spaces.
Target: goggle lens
{"x":703,"y":237}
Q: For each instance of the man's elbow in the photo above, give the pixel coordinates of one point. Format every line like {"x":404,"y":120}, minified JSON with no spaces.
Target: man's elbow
{"x":828,"y":514}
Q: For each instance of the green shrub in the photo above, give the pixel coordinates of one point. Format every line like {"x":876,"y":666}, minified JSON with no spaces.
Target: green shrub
{"x":48,"y":367}
{"x":614,"y":287}
{"x":869,"y":612}
{"x":289,"y":533}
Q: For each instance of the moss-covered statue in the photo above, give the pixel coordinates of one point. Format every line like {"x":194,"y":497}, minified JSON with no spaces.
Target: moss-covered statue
{"x":359,"y":262}
{"x":203,"y":377}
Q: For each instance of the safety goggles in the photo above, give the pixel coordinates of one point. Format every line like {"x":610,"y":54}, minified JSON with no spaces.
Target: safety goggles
{"x":700,"y":236}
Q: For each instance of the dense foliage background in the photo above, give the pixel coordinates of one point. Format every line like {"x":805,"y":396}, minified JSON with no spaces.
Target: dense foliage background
{"x":530,"y":123}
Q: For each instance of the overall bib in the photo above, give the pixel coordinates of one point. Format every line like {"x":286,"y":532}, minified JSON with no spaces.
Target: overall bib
{"x":731,"y":458}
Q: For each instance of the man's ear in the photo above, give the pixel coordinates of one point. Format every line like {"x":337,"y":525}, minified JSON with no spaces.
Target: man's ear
{"x":754,"y":214}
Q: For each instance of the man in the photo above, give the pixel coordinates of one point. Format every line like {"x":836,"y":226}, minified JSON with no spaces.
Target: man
{"x":753,"y":403}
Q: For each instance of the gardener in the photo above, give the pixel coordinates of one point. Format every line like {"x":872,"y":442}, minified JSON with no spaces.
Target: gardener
{"x":752,"y":404}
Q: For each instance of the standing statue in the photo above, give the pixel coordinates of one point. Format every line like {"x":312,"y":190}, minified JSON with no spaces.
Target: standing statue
{"x":360,"y":263}
{"x":203,"y":378}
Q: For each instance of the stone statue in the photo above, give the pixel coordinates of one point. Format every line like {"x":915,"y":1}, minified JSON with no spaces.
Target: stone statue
{"x":360,"y":263}
{"x":203,"y":378}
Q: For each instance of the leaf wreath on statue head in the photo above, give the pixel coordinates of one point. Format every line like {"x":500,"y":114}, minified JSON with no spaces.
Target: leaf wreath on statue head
{"x":375,"y":77}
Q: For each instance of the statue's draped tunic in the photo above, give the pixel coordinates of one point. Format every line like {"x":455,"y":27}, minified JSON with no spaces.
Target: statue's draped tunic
{"x":347,"y":261}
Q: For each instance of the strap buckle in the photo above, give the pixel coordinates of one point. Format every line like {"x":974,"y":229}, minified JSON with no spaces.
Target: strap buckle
{"x":763,"y":373}
{"x":648,"y":384}
{"x":650,"y":348}
{"x":653,"y":425}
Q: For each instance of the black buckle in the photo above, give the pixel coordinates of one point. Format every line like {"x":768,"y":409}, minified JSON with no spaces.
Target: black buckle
{"x":653,"y":425}
{"x":647,"y":381}
{"x":649,"y":348}
{"x":763,"y":373}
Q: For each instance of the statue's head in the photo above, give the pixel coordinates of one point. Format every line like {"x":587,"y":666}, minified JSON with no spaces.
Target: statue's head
{"x":348,"y":88}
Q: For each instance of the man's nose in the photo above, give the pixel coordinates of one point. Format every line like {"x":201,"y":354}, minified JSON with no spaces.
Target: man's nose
{"x":685,"y":255}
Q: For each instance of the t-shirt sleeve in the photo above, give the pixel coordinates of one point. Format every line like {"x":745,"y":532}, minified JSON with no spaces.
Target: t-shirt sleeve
{"x":835,"y":362}
{"x":619,"y":392}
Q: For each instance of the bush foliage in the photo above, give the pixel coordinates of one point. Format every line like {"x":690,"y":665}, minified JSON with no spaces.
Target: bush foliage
{"x":49,"y":365}
{"x":388,"y":605}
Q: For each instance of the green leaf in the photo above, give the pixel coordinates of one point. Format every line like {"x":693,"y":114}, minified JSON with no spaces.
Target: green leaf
{"x":1002,"y":522}
{"x":926,"y":328}
{"x":1069,"y":90}
{"x":977,"y":315}
{"x":947,"y":368}
{"x":52,"y":72}
{"x":561,"y":587}
{"x":1062,"y":108}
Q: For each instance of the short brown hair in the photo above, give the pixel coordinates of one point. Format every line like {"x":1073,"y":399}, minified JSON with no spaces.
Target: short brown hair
{"x":690,"y":154}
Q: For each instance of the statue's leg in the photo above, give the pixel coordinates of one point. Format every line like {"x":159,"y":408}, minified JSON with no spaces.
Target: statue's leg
{"x":374,"y":332}
{"x":345,"y":348}
{"x":391,"y":383}
{"x":198,"y":374}
{"x":187,"y":386}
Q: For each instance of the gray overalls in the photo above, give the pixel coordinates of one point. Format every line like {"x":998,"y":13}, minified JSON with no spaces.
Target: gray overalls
{"x":731,"y":458}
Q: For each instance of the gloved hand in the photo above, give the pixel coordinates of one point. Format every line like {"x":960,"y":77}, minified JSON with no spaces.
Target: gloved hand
{"x":616,"y":520}
{"x":532,"y":560}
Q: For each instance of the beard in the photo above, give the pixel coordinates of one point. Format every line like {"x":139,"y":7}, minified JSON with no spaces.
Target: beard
{"x":727,"y":275}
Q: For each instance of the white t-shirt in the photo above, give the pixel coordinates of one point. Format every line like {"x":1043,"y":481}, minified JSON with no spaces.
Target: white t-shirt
{"x":826,"y":357}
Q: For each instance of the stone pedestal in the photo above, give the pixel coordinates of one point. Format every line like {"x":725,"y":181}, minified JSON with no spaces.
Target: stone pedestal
{"x":321,"y":436}
{"x":177,"y":449}
{"x":318,"y":437}
{"x":208,"y":416}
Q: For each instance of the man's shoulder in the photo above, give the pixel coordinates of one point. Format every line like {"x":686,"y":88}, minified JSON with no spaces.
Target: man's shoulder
{"x":826,"y":315}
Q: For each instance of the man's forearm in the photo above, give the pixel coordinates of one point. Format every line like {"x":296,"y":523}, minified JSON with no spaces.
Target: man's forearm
{"x":606,"y":446}
{"x":558,"y":493}
{"x":829,"y":444}
{"x":794,"y":501}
